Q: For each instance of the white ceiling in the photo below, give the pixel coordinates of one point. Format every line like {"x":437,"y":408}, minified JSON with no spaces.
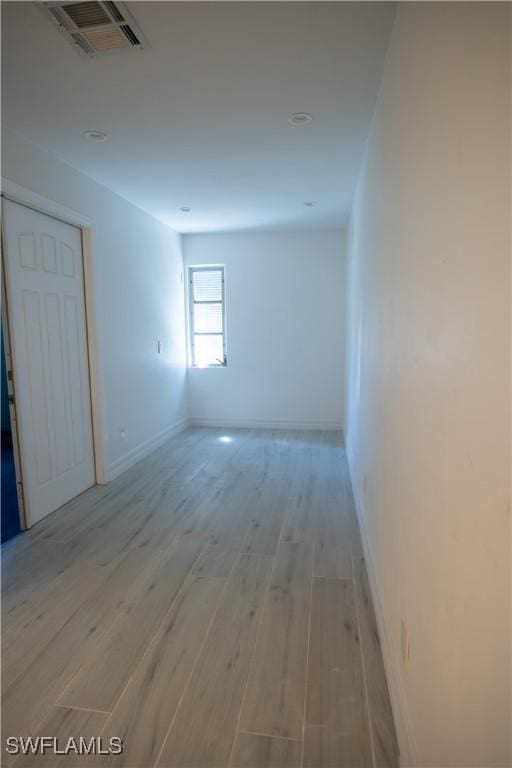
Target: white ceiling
{"x":201,"y":118}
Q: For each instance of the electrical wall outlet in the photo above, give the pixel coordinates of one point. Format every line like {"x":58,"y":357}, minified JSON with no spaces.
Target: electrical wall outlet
{"x":159,"y":347}
{"x":405,"y":642}
{"x":122,"y":433}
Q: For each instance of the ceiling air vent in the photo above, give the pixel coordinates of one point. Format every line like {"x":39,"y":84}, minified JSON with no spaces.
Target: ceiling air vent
{"x":96,"y":28}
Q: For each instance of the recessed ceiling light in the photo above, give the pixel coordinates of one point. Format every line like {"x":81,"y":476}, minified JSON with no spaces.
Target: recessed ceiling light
{"x":95,"y":135}
{"x":185,"y":209}
{"x":310,"y":203}
{"x":300,"y":118}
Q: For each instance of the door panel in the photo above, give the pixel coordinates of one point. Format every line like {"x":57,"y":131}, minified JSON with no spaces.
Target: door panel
{"x":45,"y":296}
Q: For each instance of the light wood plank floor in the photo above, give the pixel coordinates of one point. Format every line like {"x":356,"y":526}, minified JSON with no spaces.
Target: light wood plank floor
{"x":210,"y":607}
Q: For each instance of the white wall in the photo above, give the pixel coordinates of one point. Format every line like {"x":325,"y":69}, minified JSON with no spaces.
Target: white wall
{"x":138,"y":300}
{"x":284,"y":322}
{"x":428,"y":364}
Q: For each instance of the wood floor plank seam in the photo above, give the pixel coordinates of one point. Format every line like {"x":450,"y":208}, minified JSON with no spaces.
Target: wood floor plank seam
{"x":277,"y":683}
{"x":38,"y":717}
{"x":190,"y":578}
{"x":60,"y":591}
{"x":336,"y":578}
{"x":194,"y":667}
{"x":148,"y":648}
{"x":307,"y":654}
{"x":383,"y":732}
{"x":83,"y":709}
{"x":268,"y":735}
{"x":62,"y":723}
{"x":119,"y":700}
{"x":159,"y":624}
{"x":336,"y":697}
{"x":69,"y":618}
{"x":258,"y":630}
{"x":112,"y":627}
{"x":261,"y":751}
{"x":365,"y":682}
{"x":206,"y":721}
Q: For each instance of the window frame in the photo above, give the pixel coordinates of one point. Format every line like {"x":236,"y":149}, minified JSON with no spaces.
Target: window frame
{"x":191,"y":303}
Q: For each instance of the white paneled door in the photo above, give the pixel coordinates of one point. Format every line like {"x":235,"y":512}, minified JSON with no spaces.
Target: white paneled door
{"x":45,"y":298}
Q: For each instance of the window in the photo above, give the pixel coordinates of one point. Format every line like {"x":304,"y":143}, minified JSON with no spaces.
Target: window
{"x":206,"y":300}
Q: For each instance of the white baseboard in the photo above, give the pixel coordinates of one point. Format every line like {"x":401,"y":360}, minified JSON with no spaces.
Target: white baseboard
{"x":140,"y":451}
{"x":401,"y":713}
{"x":264,"y":424}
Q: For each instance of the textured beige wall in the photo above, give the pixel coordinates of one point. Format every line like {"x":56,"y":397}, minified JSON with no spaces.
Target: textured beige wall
{"x":428,"y":381}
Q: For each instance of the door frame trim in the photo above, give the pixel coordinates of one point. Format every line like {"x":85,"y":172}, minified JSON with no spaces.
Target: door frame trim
{"x":18,"y":194}
{"x":5,"y":330}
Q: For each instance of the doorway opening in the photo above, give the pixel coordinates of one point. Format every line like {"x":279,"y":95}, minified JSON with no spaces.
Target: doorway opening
{"x":10,"y":512}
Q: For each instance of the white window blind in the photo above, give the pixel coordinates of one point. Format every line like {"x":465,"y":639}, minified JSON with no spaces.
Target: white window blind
{"x":206,"y":299}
